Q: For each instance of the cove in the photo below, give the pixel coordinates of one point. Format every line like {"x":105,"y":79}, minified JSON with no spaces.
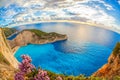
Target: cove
{"x":85,"y":51}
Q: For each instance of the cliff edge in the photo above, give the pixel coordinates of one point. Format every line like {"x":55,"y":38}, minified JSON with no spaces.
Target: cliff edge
{"x":5,"y":51}
{"x":112,"y":68}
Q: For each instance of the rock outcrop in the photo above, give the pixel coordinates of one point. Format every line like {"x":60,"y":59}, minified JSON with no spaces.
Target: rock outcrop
{"x":112,"y":68}
{"x":7,"y":72}
{"x":5,"y":50}
{"x":33,"y":36}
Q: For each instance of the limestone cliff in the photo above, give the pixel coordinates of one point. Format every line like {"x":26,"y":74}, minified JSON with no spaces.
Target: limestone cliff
{"x":6,"y":52}
{"x":7,"y":72}
{"x":112,"y":68}
{"x":35,"y":37}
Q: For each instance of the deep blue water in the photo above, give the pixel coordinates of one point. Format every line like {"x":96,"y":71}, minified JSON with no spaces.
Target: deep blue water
{"x":12,"y":36}
{"x":85,"y":51}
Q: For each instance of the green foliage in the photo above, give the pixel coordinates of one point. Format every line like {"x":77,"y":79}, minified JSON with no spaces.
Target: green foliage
{"x":37,"y":32}
{"x":9,"y":31}
{"x":32,"y":74}
{"x":70,"y":78}
{"x":116,"y":49}
{"x":3,"y":60}
{"x":117,"y":78}
{"x":96,"y":78}
{"x":53,"y":76}
{"x":44,"y":35}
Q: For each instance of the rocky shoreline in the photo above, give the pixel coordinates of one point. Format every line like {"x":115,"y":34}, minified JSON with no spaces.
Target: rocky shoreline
{"x":15,"y":49}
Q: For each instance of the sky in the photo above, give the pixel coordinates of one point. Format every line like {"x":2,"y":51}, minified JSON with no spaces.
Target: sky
{"x":105,"y":12}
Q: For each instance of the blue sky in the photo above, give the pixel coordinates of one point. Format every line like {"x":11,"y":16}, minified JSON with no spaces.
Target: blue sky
{"x":106,"y":12}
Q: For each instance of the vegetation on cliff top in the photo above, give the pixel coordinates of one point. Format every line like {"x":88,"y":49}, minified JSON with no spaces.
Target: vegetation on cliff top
{"x":9,"y":31}
{"x":37,"y":32}
{"x":42,"y":34}
{"x":116,"y":49}
{"x":3,"y":60}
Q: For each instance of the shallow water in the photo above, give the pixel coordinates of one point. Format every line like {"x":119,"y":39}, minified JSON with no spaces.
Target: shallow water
{"x":85,"y":51}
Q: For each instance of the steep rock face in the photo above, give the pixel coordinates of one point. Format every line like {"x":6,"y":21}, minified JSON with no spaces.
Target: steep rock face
{"x":112,"y":68}
{"x":5,"y":50}
{"x":7,"y":72}
{"x":27,"y":36}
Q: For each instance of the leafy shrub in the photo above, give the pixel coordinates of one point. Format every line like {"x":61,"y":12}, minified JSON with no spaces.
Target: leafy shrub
{"x":116,"y":49}
{"x":37,"y":32}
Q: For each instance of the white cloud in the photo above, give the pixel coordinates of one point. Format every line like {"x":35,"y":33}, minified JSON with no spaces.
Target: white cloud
{"x":108,"y":7}
{"x":69,"y":0}
{"x":76,"y":7}
{"x":119,"y":2}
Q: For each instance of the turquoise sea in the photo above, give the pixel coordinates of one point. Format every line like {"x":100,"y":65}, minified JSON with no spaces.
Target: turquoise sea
{"x":85,"y":51}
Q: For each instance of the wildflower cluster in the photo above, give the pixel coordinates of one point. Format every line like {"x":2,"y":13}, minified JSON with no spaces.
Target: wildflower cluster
{"x":26,"y":69}
{"x":25,"y":66}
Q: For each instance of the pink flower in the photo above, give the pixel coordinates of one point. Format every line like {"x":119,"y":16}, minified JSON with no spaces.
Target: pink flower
{"x":19,"y":76}
{"x":26,"y":67}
